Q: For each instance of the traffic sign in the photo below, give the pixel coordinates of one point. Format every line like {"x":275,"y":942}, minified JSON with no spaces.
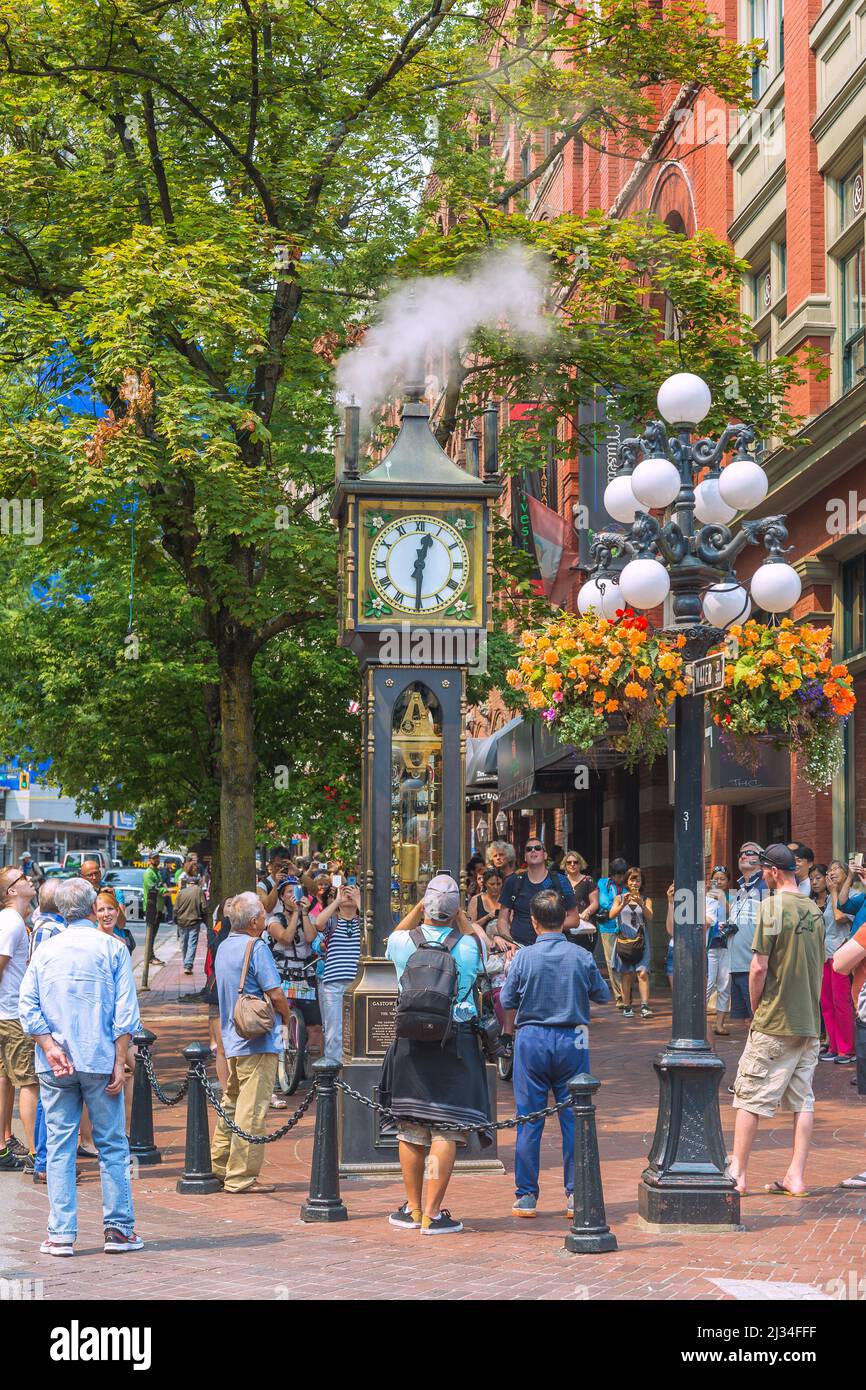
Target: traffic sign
{"x":707,"y":674}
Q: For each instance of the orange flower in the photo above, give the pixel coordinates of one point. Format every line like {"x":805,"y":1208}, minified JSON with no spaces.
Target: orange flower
{"x":554,"y":680}
{"x":611,"y":706}
{"x":644,"y":672}
{"x":550,"y":657}
{"x":634,"y":691}
{"x":598,"y":696}
{"x":840,"y":672}
{"x":681,"y":641}
{"x":513,"y":678}
{"x":537,"y":699}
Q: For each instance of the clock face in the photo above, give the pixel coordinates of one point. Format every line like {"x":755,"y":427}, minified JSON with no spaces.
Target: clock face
{"x":419,"y":564}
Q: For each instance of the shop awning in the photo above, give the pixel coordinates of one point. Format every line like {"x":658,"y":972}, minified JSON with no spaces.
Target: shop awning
{"x":482,"y":765}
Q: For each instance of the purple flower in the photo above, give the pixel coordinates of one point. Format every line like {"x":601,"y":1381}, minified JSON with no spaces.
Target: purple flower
{"x":548,"y":714}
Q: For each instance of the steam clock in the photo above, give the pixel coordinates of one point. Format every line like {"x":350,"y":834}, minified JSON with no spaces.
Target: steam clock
{"x":414,"y":600}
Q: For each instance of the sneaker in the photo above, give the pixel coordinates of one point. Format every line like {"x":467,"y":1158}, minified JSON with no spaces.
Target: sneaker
{"x":845,"y":1060}
{"x":10,"y":1162}
{"x":441,"y":1225}
{"x":569,"y":1209}
{"x":29,"y":1163}
{"x":627,"y":1013}
{"x":646,"y":1011}
{"x":733,"y":1090}
{"x":116,"y":1243}
{"x":827,"y":1056}
{"x":525,"y":1206}
{"x":40,"y":1179}
{"x":620,"y":1005}
{"x":405,"y":1219}
{"x":187,"y":970}
{"x":56,"y":1247}
{"x":15,"y":1146}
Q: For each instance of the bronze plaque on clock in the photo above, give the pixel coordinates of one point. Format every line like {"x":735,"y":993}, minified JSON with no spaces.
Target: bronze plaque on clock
{"x":381,"y":1020}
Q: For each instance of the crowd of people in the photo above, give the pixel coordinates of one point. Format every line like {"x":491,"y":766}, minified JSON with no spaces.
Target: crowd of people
{"x":510,"y":966}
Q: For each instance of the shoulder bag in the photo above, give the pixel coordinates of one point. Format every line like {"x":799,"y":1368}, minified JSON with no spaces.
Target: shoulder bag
{"x":253,"y":1016}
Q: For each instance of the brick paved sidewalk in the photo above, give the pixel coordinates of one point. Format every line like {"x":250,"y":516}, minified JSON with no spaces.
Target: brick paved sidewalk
{"x":257,"y":1247}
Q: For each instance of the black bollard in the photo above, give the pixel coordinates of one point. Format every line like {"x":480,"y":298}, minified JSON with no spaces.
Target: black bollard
{"x":590,"y":1233}
{"x":198,"y":1176}
{"x":323,"y":1203}
{"x":141,"y":1145}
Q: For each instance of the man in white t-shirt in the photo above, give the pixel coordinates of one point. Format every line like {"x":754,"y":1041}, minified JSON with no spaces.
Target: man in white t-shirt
{"x":17,"y":1059}
{"x":804,"y":858}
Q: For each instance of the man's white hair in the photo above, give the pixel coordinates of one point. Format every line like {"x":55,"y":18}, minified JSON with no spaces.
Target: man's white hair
{"x":243,"y":910}
{"x":75,"y":898}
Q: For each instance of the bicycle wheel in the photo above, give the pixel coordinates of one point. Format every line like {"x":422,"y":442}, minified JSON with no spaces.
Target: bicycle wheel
{"x":290,"y":1064}
{"x":505,"y":1065}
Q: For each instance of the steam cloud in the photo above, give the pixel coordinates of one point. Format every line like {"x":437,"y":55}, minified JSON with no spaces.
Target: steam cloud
{"x":436,"y":314}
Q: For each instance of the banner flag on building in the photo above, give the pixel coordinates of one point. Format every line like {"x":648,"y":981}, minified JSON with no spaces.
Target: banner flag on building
{"x":555,"y":550}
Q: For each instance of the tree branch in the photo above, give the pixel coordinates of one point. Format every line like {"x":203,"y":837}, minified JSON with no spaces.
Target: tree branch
{"x":156,"y":162}
{"x":556,"y":149}
{"x":281,"y":623}
{"x":254,"y":80}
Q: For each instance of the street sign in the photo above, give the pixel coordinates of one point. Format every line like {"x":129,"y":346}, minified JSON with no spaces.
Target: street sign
{"x":708,"y":674}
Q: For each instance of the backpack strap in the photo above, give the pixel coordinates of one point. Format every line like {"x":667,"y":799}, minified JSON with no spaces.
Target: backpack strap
{"x":417,"y":938}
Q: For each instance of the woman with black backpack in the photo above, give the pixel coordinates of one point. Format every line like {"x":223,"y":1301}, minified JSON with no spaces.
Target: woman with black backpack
{"x":433,"y":1071}
{"x":632,"y":913}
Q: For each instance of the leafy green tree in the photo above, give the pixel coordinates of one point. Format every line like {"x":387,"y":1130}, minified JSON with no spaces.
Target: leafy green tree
{"x":199,"y":203}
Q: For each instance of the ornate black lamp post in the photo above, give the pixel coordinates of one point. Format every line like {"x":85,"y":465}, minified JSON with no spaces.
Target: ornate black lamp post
{"x":691,"y":566}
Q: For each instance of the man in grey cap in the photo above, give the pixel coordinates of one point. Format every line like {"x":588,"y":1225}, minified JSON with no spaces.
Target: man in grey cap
{"x":750,"y":892}
{"x":437,"y":1082}
{"x":779,"y":1059}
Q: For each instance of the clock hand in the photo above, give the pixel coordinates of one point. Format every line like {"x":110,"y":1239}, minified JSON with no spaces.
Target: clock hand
{"x":418,"y":568}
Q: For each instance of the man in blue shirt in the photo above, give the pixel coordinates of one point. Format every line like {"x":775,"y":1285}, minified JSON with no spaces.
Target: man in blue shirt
{"x":550,"y":987}
{"x":252,"y":1062}
{"x":79,"y":1005}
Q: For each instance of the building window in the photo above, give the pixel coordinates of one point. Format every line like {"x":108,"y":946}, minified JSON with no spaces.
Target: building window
{"x":853,"y":592}
{"x":761,"y":292}
{"x":853,"y":268}
{"x":758,"y":30}
{"x":526,"y":159}
{"x":761,"y":350}
{"x":782,"y":266}
{"x":850,"y":197}
{"x":780,"y":37}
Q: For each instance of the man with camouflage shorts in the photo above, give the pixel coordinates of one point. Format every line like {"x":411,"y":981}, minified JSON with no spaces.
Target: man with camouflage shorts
{"x":781,"y":1053}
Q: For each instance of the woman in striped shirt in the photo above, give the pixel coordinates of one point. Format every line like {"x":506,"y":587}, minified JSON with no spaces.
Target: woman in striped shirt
{"x":336,"y":931}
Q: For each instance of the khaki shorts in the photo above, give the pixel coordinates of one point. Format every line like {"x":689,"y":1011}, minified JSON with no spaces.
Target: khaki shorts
{"x":424,"y":1135}
{"x":775,"y":1073}
{"x":17,"y":1054}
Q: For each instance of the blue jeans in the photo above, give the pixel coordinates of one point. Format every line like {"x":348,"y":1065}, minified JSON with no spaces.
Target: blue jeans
{"x":63,"y":1098}
{"x":545,"y":1059}
{"x":40,"y":1137}
{"x":331,"y":1008}
{"x":189,"y":944}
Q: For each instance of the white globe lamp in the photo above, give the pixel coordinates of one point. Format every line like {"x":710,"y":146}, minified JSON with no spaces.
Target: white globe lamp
{"x":589,"y":597}
{"x":620,"y":501}
{"x":724,"y":604}
{"x":644,"y":583}
{"x":775,"y":586}
{"x":611,"y":599}
{"x":743,"y":484}
{"x":684,"y":399}
{"x":709,"y":504}
{"x":655,"y":482}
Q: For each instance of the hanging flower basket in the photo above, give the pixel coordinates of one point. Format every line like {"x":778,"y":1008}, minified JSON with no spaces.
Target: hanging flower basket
{"x":784,"y":686}
{"x":592,"y":679}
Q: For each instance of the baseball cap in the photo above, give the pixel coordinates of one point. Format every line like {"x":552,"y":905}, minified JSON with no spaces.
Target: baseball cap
{"x":441,"y":899}
{"x":778,"y":857}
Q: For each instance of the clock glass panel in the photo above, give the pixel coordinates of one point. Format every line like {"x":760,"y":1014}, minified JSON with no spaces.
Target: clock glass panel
{"x":419,"y":564}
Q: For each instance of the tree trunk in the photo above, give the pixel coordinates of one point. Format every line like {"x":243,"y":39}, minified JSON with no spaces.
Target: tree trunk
{"x":237,"y":846}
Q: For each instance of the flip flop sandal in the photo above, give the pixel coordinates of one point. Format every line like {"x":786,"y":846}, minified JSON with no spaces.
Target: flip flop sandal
{"x":857,"y":1182}
{"x":279,"y":1105}
{"x":777,"y":1189}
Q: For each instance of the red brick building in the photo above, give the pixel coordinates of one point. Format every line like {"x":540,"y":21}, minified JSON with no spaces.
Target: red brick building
{"x":785,"y":184}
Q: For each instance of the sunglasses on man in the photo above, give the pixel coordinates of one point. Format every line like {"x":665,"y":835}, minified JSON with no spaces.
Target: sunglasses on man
{"x":534,"y":849}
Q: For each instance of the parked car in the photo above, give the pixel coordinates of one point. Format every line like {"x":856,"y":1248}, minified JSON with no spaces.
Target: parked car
{"x":129,"y":883}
